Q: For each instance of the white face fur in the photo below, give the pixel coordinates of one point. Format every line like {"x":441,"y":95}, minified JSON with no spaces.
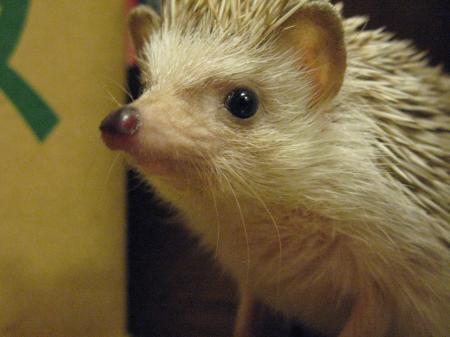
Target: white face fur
{"x":185,"y":118}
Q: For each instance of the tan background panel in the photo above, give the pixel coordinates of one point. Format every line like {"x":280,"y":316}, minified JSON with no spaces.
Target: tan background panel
{"x":62,"y":201}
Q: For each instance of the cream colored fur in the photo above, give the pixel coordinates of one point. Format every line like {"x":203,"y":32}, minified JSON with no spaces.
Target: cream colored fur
{"x":338,"y":215}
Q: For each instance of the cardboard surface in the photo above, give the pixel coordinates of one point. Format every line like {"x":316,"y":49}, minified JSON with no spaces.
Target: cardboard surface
{"x":61,"y":191}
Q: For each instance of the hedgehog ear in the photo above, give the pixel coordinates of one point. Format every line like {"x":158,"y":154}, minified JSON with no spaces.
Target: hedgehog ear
{"x":142,"y":21}
{"x":315,"y":32}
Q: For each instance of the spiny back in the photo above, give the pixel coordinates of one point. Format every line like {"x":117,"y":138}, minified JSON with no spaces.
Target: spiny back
{"x":409,"y":103}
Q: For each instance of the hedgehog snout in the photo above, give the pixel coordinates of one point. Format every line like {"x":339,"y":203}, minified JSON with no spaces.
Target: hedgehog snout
{"x":119,"y":127}
{"x":124,"y":122}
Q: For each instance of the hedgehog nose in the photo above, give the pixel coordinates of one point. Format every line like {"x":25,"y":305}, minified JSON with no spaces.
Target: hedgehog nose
{"x":124,"y":121}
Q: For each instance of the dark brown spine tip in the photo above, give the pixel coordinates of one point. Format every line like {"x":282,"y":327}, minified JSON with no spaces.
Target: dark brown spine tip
{"x":124,"y":121}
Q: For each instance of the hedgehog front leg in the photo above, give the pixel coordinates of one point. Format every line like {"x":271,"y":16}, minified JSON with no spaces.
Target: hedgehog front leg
{"x":243,"y":326}
{"x":369,"y":318}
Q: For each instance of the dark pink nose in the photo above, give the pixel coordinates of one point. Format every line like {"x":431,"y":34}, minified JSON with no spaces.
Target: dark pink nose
{"x":124,"y":121}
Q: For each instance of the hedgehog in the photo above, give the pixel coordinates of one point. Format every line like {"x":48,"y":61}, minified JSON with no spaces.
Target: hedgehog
{"x":310,"y":155}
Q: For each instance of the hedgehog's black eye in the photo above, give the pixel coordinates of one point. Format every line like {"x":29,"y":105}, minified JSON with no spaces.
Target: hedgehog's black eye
{"x":242,"y":103}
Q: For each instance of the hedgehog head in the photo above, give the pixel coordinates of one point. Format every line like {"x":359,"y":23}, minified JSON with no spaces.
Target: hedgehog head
{"x":229,"y":86}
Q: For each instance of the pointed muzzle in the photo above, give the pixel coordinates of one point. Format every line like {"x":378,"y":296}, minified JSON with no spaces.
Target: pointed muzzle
{"x":122,"y":122}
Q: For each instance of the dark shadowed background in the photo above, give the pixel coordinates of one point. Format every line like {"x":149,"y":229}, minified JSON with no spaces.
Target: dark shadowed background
{"x":175,"y":290}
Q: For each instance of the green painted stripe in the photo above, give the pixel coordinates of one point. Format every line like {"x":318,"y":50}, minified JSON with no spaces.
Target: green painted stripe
{"x":31,"y":106}
{"x":13,"y":14}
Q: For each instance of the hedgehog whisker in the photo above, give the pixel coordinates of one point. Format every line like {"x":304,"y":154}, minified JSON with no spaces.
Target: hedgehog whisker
{"x":216,"y":209}
{"x":244,"y":227}
{"x":122,"y":88}
{"x":93,"y":139}
{"x":277,"y":231}
{"x":141,"y":181}
{"x":111,"y":167}
{"x":113,"y":98}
